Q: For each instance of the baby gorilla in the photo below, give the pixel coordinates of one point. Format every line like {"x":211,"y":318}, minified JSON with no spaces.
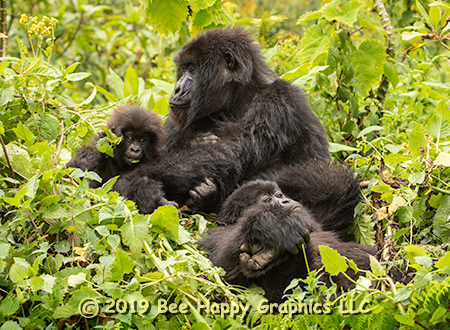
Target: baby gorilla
{"x":264,"y":244}
{"x":141,"y":134}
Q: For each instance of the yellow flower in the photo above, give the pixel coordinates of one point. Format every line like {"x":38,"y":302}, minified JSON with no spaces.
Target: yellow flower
{"x":53,"y":21}
{"x":34,"y":19}
{"x":44,"y":19}
{"x":23,"y":19}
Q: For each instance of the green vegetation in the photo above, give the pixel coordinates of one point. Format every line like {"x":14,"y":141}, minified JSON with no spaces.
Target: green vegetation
{"x":377,"y":77}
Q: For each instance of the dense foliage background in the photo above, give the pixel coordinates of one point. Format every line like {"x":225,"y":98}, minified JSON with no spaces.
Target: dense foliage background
{"x":377,"y":75}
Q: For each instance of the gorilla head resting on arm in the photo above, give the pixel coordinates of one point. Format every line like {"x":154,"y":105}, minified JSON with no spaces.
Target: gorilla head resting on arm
{"x":141,"y":134}
{"x":264,"y":244}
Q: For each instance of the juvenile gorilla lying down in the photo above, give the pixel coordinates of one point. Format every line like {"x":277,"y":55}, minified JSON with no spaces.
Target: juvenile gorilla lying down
{"x":263,"y":245}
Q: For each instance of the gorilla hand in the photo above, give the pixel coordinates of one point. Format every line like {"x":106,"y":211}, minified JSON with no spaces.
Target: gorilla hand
{"x":256,"y":257}
{"x":202,"y":193}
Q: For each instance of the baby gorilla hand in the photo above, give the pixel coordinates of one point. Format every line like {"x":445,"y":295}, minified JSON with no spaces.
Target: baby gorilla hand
{"x":255,"y":257}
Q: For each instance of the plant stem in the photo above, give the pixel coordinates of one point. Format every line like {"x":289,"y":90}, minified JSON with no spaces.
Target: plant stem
{"x":3,"y":23}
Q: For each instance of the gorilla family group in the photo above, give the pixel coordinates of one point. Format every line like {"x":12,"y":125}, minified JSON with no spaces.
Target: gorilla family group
{"x":243,"y":143}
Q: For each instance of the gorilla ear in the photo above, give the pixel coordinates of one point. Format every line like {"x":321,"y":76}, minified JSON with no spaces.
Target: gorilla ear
{"x":230,"y":60}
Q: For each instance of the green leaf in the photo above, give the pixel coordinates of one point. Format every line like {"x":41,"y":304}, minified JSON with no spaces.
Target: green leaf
{"x":368,"y":62}
{"x":165,"y":15}
{"x":407,"y":318}
{"x":113,"y":289}
{"x":77,"y":76}
{"x":32,"y":186}
{"x":397,"y":158}
{"x":44,"y":125}
{"x":104,"y":147}
{"x":36,"y":283}
{"x":18,"y":273}
{"x":122,"y":265}
{"x":6,"y":93}
{"x":203,"y":4}
{"x":435,"y":16}
{"x":134,"y":233}
{"x":347,"y":14}
{"x":423,"y":13}
{"x":334,"y":263}
{"x":131,"y":83}
{"x":64,"y":312}
{"x":402,"y":294}
{"x":417,"y":141}
{"x":414,"y":251}
{"x":202,"y":19}
{"x":370,"y":129}
{"x":390,"y":71}
{"x":443,"y":159}
{"x":9,"y":306}
{"x":309,"y":16}
{"x":439,"y":313}
{"x":118,"y":84}
{"x":10,"y":325}
{"x":439,"y":124}
{"x":23,"y":133}
{"x":107,"y":94}
{"x":90,"y":98}
{"x":336,"y":147}
{"x":376,"y":268}
{"x":424,"y":261}
{"x":443,"y":261}
{"x":165,"y":219}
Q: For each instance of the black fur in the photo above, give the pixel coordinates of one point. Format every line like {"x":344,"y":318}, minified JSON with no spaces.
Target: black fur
{"x":259,"y":122}
{"x":141,"y":134}
{"x":274,"y":226}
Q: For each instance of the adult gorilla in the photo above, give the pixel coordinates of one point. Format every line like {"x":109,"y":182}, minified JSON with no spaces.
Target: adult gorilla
{"x":262,"y":240}
{"x":259,"y":123}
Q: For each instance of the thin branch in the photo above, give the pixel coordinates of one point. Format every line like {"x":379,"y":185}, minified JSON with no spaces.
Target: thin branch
{"x":7,"y":158}
{"x":3,"y":27}
{"x":60,"y":143}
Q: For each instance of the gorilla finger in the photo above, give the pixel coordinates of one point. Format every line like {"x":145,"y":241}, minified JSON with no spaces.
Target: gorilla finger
{"x":244,"y":257}
{"x":164,"y":201}
{"x":245,"y":248}
{"x":307,"y":237}
{"x":209,"y":182}
{"x":253,"y":265}
{"x":264,"y":258}
{"x":194,"y":195}
{"x":256,"y":248}
{"x":294,"y":249}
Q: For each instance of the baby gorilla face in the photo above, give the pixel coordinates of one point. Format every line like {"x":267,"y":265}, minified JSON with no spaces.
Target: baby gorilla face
{"x":273,"y":225}
{"x":134,"y":146}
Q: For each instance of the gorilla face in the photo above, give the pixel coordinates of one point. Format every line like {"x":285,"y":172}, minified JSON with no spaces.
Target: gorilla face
{"x":134,"y":146}
{"x":211,"y":68}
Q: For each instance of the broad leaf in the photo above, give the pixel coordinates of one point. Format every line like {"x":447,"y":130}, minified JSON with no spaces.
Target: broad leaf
{"x":334,"y":263}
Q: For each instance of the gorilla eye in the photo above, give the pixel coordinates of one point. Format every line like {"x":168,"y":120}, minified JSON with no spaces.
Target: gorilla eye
{"x":267,"y":199}
{"x":142,"y":140}
{"x":130,"y":138}
{"x":278,"y":194}
{"x":190,"y":68}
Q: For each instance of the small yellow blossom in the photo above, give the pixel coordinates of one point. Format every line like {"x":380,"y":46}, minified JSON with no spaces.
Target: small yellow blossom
{"x":23,"y":19}
{"x":34,"y":19}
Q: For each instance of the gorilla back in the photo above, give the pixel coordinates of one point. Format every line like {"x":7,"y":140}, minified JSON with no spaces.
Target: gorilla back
{"x":225,"y":89}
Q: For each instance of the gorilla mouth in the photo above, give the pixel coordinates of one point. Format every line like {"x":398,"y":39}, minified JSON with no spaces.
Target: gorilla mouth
{"x":133,"y":160}
{"x":178,"y":106}
{"x":296,"y":208}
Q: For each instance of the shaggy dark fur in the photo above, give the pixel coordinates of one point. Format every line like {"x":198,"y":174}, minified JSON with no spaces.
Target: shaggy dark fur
{"x":225,"y":91}
{"x":141,"y":134}
{"x":261,"y":243}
